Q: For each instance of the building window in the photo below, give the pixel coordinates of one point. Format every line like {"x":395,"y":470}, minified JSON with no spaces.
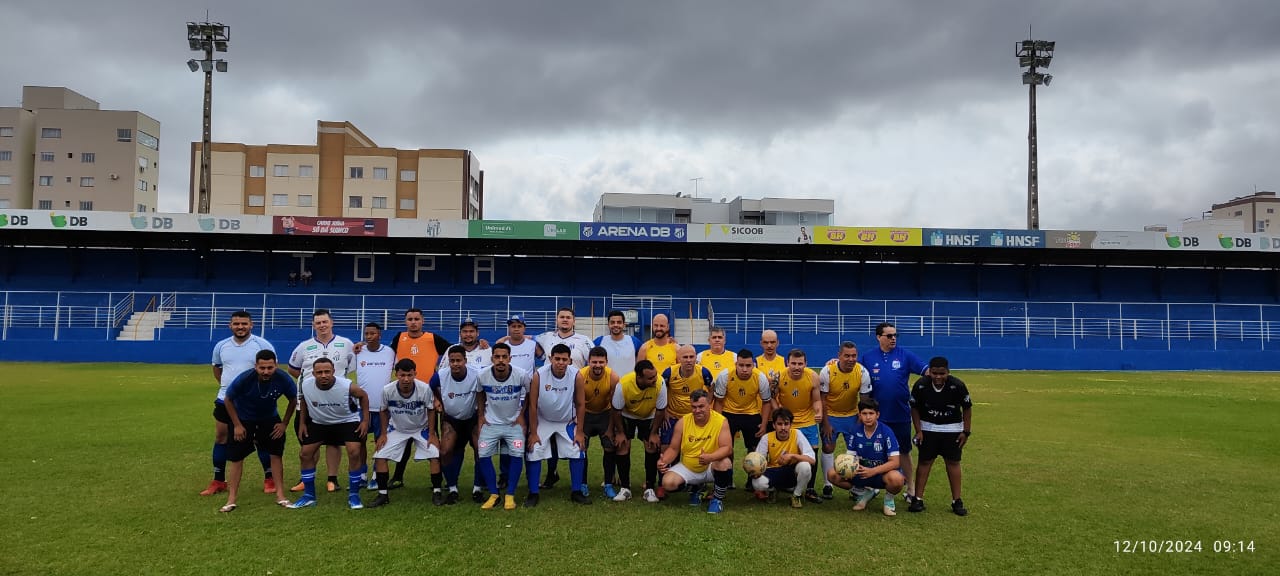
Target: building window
{"x":46,"y":156}
{"x":86,"y":205}
{"x":257,"y":200}
{"x":1239,"y":213}
{"x":6,"y":131}
{"x":50,"y":132}
{"x":257,"y":171}
{"x":380,"y":202}
{"x":5,"y":203}
{"x":142,"y":164}
{"x":355,"y":202}
{"x":1271,"y":210}
{"x":279,"y":199}
{"x":142,"y":185}
{"x":5,"y":179}
{"x":280,"y":170}
{"x":6,"y":155}
{"x":305,"y":171}
{"x":86,"y":182}
{"x":1260,"y":226}
{"x":304,"y":200}
{"x":408,"y":175}
{"x":142,"y":208}
{"x":379,"y":173}
{"x":68,"y":179}
{"x":124,"y":135}
{"x":46,"y":180}
{"x":357,"y":172}
{"x":46,"y":205}
{"x":408,"y":203}
{"x":88,"y":157}
{"x":148,"y":140}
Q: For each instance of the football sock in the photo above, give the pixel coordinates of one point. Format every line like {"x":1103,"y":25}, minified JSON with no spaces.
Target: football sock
{"x":624,"y":470}
{"x":353,"y":482}
{"x":577,"y":473}
{"x":650,"y":468}
{"x":265,"y":459}
{"x":487,"y":474}
{"x":220,"y":462}
{"x":504,"y":464}
{"x":436,"y":480}
{"x":828,"y":463}
{"x":722,"y":482}
{"x":452,"y":470}
{"x":533,"y":469}
{"x":610,"y":465}
{"x":383,"y":480}
{"x":513,"y":476}
{"x":309,"y":482}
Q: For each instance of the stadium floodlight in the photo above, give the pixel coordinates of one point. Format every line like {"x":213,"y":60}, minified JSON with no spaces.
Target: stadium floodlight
{"x":207,"y":37}
{"x":1033,"y":54}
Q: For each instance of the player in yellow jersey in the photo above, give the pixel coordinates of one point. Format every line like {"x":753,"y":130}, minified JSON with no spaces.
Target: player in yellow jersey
{"x":639,"y":406}
{"x":790,"y":460}
{"x":682,"y":380}
{"x":743,"y":396}
{"x":798,"y":393}
{"x":840,"y":384}
{"x":661,"y":349}
{"x":769,"y":361}
{"x":596,"y":381}
{"x":699,"y":454}
{"x":716,"y":359}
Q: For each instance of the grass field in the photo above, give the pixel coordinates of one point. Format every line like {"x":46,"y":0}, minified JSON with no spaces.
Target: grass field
{"x":106,"y":460}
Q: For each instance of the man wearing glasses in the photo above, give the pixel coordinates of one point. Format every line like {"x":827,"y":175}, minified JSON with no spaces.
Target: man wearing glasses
{"x":891,"y":369}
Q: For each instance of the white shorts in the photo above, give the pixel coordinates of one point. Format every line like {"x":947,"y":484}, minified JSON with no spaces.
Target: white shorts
{"x":396,"y":441}
{"x":562,"y":434}
{"x":694,"y":478}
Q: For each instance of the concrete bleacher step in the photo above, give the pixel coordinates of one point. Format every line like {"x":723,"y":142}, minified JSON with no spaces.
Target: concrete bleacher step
{"x":141,"y":326}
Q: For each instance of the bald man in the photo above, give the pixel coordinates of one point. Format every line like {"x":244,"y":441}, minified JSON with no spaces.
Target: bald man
{"x":769,"y":362}
{"x":661,"y":349}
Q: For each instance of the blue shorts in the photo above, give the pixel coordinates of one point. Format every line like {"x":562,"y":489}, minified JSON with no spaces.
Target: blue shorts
{"x":375,"y":424}
{"x":844,"y":427}
{"x":782,"y":477}
{"x":902,"y":432}
{"x":810,"y":434}
{"x":876,"y":481}
{"x":665,"y":430}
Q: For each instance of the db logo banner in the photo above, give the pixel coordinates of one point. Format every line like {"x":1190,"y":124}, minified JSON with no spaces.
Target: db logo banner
{"x":878,"y":236}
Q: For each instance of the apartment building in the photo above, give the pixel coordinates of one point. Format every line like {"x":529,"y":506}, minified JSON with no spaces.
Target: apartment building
{"x":683,"y":209}
{"x":1256,"y":212}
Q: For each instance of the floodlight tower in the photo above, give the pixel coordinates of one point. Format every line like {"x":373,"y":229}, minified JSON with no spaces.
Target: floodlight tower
{"x":207,"y":37}
{"x":1033,"y":54}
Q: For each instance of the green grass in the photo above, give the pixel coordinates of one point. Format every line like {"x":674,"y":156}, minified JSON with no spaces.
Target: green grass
{"x":104,"y":463}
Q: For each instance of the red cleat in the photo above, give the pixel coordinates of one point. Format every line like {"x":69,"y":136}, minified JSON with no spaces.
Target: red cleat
{"x":268,"y":486}
{"x":661,"y":492}
{"x":215,"y":487}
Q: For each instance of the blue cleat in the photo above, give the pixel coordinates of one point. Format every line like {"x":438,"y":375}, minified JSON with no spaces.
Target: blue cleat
{"x":373,"y":484}
{"x":715,"y":507}
{"x":353,"y":500}
{"x":695,"y":498}
{"x":610,"y":492}
{"x":303,"y":502}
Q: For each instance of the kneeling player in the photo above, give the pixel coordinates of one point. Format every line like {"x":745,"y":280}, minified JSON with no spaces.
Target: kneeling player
{"x":941,"y":411}
{"x":702,"y":443}
{"x":327,"y":418}
{"x":407,"y":413}
{"x":876,"y":449}
{"x":791,"y":459}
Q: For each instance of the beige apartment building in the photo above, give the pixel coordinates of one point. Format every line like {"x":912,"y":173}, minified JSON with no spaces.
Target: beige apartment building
{"x":344,"y":174}
{"x":1256,"y":212}
{"x":60,"y":151}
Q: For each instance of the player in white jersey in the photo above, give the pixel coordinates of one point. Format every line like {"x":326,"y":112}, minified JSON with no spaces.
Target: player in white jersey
{"x":339,"y":350}
{"x":407,"y":416}
{"x":374,"y":366}
{"x":524,"y":350}
{"x":579,"y":349}
{"x":478,"y":351}
{"x":621,"y":346}
{"x":455,"y":389}
{"x":556,"y":410}
{"x":327,"y":418}
{"x":232,"y":357}
{"x":500,"y":405}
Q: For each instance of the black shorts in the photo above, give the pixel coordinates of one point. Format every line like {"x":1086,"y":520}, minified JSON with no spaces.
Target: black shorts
{"x":220,"y":413}
{"x":257,"y":437}
{"x":748,"y":424}
{"x":940,"y":444}
{"x":463,"y":429}
{"x":332,"y":434}
{"x":637,"y":429}
{"x":595,"y":424}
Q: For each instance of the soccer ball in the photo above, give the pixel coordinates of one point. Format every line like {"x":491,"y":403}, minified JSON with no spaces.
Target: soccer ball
{"x":754,"y":464}
{"x":846,"y":466}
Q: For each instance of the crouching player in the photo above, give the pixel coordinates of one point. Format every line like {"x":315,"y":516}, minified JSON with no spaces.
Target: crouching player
{"x":327,"y":417}
{"x":702,"y":443}
{"x":791,"y":460}
{"x":876,"y":449}
{"x":407,"y":413}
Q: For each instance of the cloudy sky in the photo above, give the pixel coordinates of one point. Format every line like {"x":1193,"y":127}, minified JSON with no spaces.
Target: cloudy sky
{"x":907,"y":113}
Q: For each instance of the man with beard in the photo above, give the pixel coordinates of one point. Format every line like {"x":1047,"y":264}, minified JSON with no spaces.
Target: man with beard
{"x":232,"y":357}
{"x":639,"y":403}
{"x":660,"y":350}
{"x":620,"y":346}
{"x":327,"y":418}
{"x":455,"y":389}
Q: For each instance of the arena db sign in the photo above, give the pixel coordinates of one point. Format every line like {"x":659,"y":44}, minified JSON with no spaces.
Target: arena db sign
{"x":633,"y":232}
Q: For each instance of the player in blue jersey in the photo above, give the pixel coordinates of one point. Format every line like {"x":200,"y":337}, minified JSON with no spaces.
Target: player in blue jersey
{"x":891,"y":368}
{"x":876,"y":448}
{"x":251,"y":402}
{"x":232,"y":357}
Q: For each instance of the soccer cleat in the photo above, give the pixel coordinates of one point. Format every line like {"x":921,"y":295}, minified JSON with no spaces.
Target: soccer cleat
{"x":715,"y":507}
{"x":773,"y":496}
{"x":490,"y":503}
{"x":298,"y":487}
{"x":509,"y":502}
{"x":215,"y":487}
{"x":268,"y":486}
{"x":580,"y":498}
{"x":650,"y":496}
{"x":890,"y":509}
{"x":353,"y":502}
{"x":610,"y":492}
{"x":861,"y":499}
{"x":437,"y":499}
{"x":624,"y":495}
{"x":395,"y":485}
{"x":551,"y":480}
{"x":917,"y":505}
{"x":531,"y":501}
{"x":812,"y":496}
{"x":695,"y":498}
{"x":660,"y":493}
{"x":451,"y":499}
{"x":303,"y":502}
{"x":957,"y":506}
{"x":372,"y":484}
{"x":332,"y":486}
{"x":827,"y":492}
{"x":381,"y":500}
{"x":477,"y":496}
{"x":228,"y":508}
{"x":761,"y":495}
{"x":797,"y":502}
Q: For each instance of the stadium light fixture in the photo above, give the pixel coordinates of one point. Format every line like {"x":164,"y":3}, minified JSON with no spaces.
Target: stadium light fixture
{"x":207,"y":37}
{"x":1033,"y":54}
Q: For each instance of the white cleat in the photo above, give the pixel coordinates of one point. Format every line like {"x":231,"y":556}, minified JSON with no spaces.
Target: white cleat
{"x":624,"y":495}
{"x":650,"y":496}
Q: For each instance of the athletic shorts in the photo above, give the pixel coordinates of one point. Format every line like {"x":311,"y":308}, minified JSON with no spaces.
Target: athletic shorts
{"x":843,"y":427}
{"x":561,"y":433}
{"x":942,"y":444}
{"x":811,"y":434}
{"x":665,"y":430}
{"x":637,"y":429}
{"x":693,"y":478}
{"x":507,"y":436}
{"x":463,"y":430}
{"x":394,"y":448}
{"x":332,"y":434}
{"x":257,"y":437}
{"x":748,"y":424}
{"x":220,"y":413}
{"x":782,"y":477}
{"x":876,"y":481}
{"x":375,"y":425}
{"x":902,"y":431}
{"x":597,"y":425}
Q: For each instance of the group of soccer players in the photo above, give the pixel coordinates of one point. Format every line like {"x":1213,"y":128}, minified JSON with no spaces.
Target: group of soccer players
{"x":533,"y":401}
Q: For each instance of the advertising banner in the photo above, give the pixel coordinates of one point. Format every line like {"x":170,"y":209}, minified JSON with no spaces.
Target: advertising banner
{"x":328,"y":226}
{"x":521,"y":230}
{"x":1234,"y":241}
{"x":200,"y":223}
{"x":644,"y":232}
{"x":1068,"y":239}
{"x":853,"y":236}
{"x":750,"y":234}
{"x":414,"y":228}
{"x":984,"y":238}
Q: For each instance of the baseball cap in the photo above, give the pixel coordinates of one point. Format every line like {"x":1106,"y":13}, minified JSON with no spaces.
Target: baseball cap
{"x":515,"y":318}
{"x":468,"y":322}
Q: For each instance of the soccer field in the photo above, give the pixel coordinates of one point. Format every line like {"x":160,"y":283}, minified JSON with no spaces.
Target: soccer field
{"x":107,"y":459}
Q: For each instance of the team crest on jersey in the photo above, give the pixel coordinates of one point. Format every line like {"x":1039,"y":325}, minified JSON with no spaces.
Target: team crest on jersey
{"x":795,"y":393}
{"x":413,"y":350}
{"x":315,"y":404}
{"x":877,"y":447}
{"x":661,"y":357}
{"x":548,"y":387}
{"x":897,"y":364}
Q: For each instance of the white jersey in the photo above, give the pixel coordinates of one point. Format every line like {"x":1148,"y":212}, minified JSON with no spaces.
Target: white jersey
{"x":457,"y":396}
{"x":332,"y":406}
{"x":504,"y":399}
{"x":579,"y":347}
{"x":236,"y":358}
{"x":407,"y":415}
{"x":341,"y":350}
{"x":477,"y":359}
{"x":622,"y":353}
{"x":555,"y":396}
{"x":523,"y":355}
{"x":373,"y":371}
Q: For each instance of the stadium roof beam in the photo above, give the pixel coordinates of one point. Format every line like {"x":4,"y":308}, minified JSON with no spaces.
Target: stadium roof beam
{"x":1032,"y":55}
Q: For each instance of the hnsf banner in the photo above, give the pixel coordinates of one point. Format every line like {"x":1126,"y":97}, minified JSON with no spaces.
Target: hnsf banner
{"x":851,"y":236}
{"x":634,"y":232}
{"x":960,"y":238}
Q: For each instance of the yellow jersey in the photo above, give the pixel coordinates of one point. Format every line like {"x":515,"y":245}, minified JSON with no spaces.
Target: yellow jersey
{"x":717,"y":363}
{"x":779,"y":447}
{"x":679,"y":388}
{"x":662,"y":356}
{"x":742,"y":396}
{"x":797,"y":396}
{"x":699,"y":439}
{"x":772,"y":367}
{"x":842,"y":390}
{"x":597,"y":392}
{"x":636,"y":403}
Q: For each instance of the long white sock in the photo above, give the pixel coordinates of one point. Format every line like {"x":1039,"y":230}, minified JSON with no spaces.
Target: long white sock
{"x":828,"y":463}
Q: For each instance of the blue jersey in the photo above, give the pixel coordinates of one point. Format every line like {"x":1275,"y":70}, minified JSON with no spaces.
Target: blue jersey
{"x":875,"y":450}
{"x":255,"y":400}
{"x":234,"y":358}
{"x":891,"y":374}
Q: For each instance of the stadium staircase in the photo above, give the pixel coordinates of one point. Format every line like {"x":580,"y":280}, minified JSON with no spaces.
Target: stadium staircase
{"x":142,"y":326}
